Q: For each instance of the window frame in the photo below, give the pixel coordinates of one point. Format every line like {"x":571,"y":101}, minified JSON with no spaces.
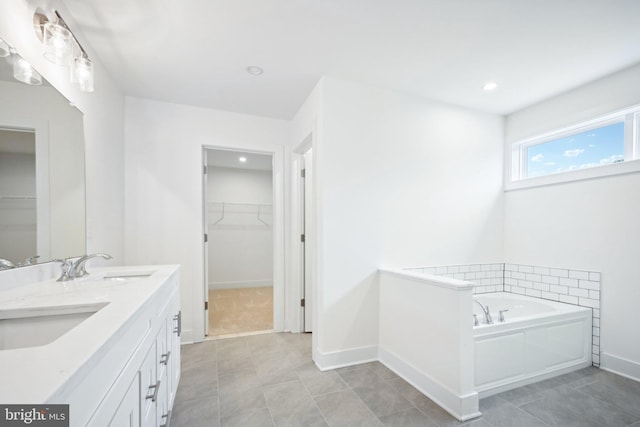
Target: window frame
{"x":516,"y":156}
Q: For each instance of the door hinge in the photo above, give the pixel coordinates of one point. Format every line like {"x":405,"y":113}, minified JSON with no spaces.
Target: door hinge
{"x":206,"y":305}
{"x":302,"y":238}
{"x":206,"y":237}
{"x":204,"y":169}
{"x":302,"y":302}
{"x":303,"y":173}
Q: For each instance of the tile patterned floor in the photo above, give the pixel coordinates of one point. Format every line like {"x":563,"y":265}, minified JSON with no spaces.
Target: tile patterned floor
{"x":269,"y":380}
{"x":234,"y":311}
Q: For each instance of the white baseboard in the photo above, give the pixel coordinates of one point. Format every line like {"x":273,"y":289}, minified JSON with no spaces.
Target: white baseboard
{"x":340,"y":359}
{"x":620,"y":365}
{"x":241,"y":284}
{"x":186,"y":336}
{"x":462,"y":407}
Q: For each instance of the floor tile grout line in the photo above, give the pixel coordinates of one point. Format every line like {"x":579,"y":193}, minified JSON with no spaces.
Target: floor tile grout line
{"x":534,"y":416}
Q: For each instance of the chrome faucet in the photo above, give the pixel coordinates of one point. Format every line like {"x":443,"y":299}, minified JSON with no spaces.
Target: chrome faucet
{"x":77,"y":267}
{"x":5,"y":264}
{"x":65,"y":265}
{"x":72,"y":268}
{"x":486,"y":312}
{"x":29,"y":261}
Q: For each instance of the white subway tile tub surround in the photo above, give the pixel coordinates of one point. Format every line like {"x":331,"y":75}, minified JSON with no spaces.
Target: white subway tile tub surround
{"x":485,"y":277}
{"x":577,"y":287}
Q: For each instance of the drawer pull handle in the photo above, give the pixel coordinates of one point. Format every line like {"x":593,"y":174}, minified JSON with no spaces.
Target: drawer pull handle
{"x":165,"y":418}
{"x":164,"y":359}
{"x":155,"y":387}
{"x":178,"y":319}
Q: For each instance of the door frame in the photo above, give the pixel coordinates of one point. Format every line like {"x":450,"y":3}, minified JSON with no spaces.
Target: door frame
{"x":298,"y":249}
{"x":278,"y":174}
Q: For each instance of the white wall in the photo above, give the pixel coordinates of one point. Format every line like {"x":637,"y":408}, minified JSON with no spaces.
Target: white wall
{"x":103,"y":124}
{"x":164,"y":160}
{"x":240,"y":245}
{"x":405,"y":181}
{"x":588,"y":225}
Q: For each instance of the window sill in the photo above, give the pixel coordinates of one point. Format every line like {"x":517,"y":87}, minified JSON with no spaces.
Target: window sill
{"x":631,"y":166}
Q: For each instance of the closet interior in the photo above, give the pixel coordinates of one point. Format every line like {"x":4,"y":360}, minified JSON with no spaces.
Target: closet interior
{"x":239,"y":242}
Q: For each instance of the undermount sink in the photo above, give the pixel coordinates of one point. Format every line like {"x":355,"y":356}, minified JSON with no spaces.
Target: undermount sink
{"x":125,"y":276}
{"x":37,"y":326}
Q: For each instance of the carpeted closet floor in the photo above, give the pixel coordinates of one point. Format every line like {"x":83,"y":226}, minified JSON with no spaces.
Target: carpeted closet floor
{"x":236,"y":311}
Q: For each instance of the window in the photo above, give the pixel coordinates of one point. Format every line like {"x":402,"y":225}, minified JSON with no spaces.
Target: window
{"x":579,"y":151}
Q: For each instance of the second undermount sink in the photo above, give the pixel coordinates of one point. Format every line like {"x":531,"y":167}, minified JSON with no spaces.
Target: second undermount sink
{"x":127,"y":275}
{"x":37,"y":326}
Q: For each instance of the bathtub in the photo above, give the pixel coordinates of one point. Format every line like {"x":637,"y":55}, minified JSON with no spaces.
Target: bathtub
{"x":538,"y":339}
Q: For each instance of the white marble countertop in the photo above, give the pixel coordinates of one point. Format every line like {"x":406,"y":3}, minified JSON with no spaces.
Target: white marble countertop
{"x":35,"y":374}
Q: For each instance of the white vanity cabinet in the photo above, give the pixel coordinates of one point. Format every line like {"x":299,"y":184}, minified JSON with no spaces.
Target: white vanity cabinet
{"x":143,"y":392}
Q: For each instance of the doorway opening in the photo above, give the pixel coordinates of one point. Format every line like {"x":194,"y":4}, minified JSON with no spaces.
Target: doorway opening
{"x":239,"y":242}
{"x":18,"y":198}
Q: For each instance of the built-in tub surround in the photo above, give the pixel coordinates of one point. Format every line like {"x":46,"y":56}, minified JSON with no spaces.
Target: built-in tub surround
{"x":536,"y":339}
{"x":426,"y":337}
{"x":82,"y":366}
{"x":576,"y":287}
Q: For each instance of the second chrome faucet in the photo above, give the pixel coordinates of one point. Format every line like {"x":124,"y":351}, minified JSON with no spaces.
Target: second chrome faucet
{"x":75,"y":267}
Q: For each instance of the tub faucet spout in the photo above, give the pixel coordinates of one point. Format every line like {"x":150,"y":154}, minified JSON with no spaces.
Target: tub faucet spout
{"x":486,"y":312}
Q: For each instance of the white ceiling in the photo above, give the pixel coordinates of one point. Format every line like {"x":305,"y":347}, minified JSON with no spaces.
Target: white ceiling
{"x":196,"y":51}
{"x":231,"y":159}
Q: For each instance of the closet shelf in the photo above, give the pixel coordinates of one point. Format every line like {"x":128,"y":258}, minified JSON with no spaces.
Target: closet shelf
{"x":240,"y":213}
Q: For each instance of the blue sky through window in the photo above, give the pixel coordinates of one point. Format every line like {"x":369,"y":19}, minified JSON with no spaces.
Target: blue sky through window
{"x":594,"y":147}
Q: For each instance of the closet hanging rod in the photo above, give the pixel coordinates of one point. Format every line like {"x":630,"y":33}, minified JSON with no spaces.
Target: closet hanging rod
{"x":17,"y":197}
{"x":240,"y":203}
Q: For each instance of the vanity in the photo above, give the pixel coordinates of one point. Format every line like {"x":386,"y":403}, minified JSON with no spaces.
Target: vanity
{"x":107,"y":344}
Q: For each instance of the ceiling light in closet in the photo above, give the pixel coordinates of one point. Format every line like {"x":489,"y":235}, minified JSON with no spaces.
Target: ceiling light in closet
{"x":242,"y":159}
{"x":489,"y":86}
{"x":254,"y":70}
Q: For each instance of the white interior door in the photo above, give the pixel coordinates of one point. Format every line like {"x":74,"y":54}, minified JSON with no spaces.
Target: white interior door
{"x":205,"y":218}
{"x":308,"y":240}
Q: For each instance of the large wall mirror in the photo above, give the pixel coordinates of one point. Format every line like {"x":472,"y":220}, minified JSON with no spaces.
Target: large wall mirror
{"x":42,"y":172}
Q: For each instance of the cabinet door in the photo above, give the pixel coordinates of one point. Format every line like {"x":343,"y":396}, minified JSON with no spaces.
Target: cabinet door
{"x":128,"y":413}
{"x":163,"y":400}
{"x":148,"y":388}
{"x":174,"y":339}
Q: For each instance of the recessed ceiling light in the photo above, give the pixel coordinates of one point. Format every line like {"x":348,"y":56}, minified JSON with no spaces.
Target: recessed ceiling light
{"x":242,"y":159}
{"x":489,"y":86}
{"x":254,"y":70}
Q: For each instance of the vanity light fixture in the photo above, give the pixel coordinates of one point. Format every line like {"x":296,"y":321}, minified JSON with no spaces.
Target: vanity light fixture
{"x":61,"y":47}
{"x":254,"y":70}
{"x":489,"y":86}
{"x":24,"y":72}
{"x":57,"y":43}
